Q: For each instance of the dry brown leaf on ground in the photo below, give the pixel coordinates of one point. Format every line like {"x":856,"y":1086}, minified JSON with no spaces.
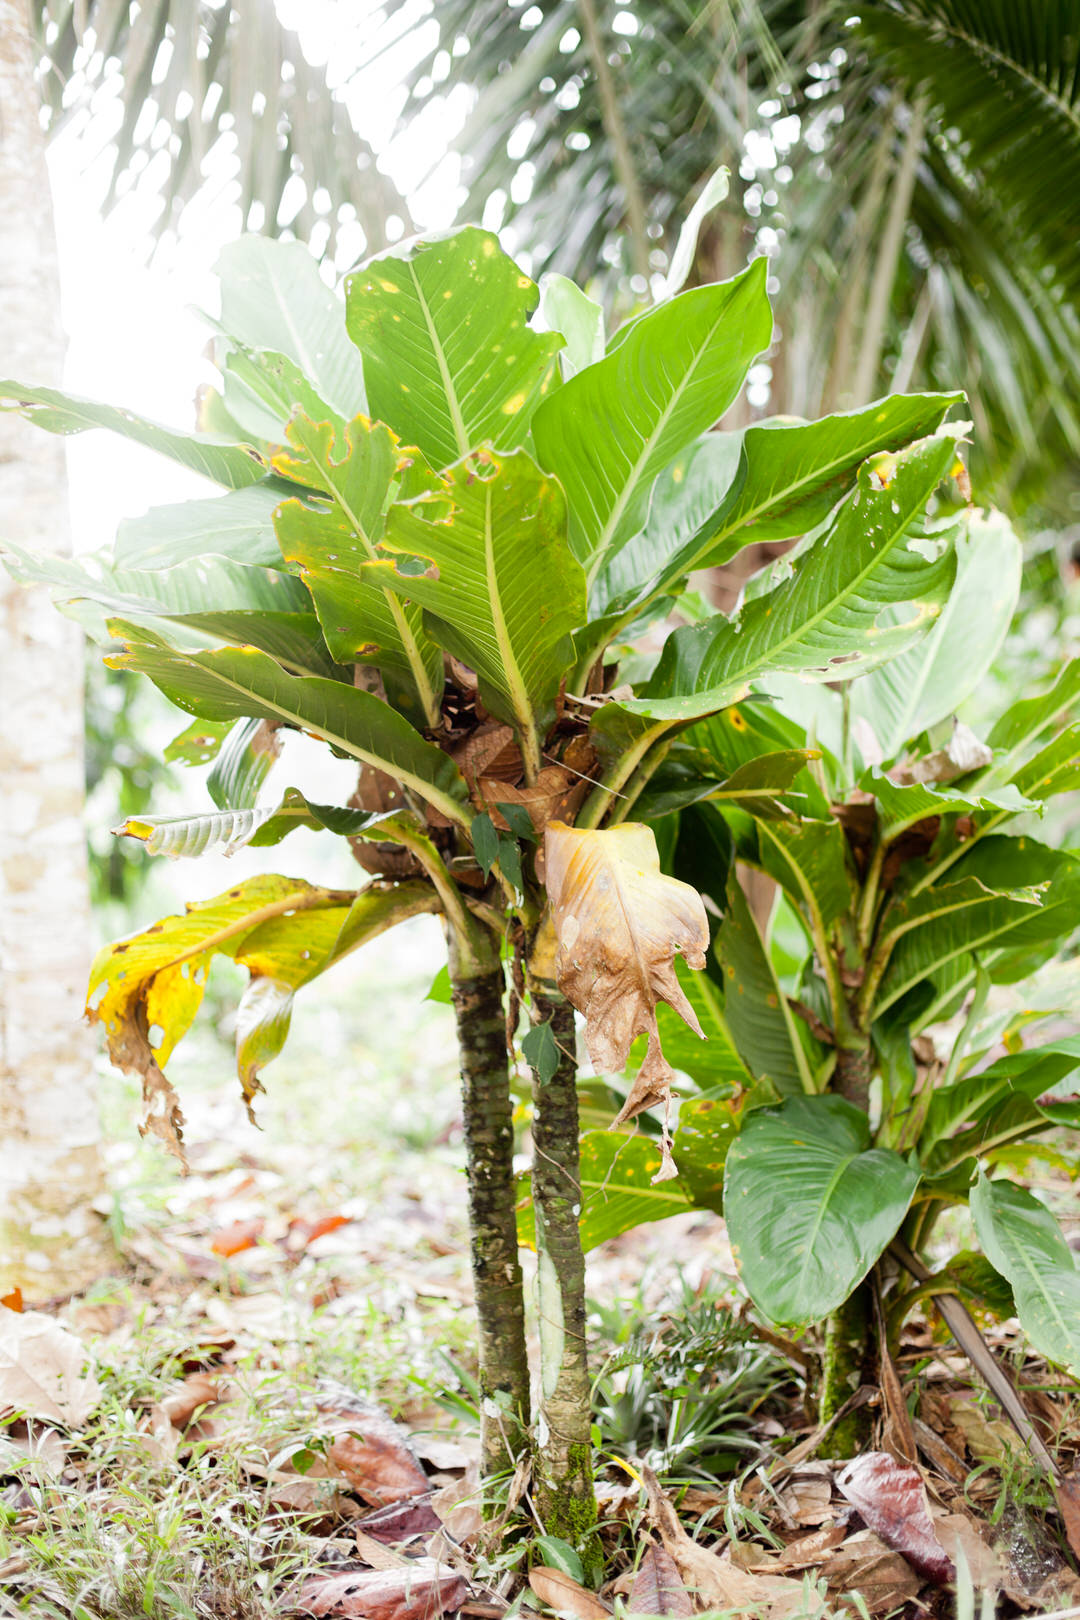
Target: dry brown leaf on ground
{"x":44,"y":1371}
{"x":658,"y":1587}
{"x":400,"y":1521}
{"x":807,"y":1495}
{"x":420,"y":1591}
{"x":809,"y":1551}
{"x":714,"y":1583}
{"x":619,"y":925}
{"x":375,"y":1554}
{"x":864,"y":1564}
{"x":370,"y":1451}
{"x":40,"y":1449}
{"x":458,"y":1507}
{"x":198,"y":1390}
{"x":891,"y":1499}
{"x":959,"y":1535}
{"x":566,"y":1596}
{"x":1067,"y":1491}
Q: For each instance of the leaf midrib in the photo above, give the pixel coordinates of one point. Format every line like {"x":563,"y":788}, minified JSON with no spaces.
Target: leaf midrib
{"x":631,"y":483}
{"x":456,"y":419}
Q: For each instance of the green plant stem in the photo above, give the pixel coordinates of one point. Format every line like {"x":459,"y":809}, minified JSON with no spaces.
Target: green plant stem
{"x":848,"y":1351}
{"x":477,"y":992}
{"x":640,"y":780}
{"x":868,"y":902}
{"x":620,"y":772}
{"x":565,"y":1497}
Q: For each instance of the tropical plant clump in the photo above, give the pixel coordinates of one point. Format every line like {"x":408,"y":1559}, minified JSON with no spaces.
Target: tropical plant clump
{"x":453,"y":508}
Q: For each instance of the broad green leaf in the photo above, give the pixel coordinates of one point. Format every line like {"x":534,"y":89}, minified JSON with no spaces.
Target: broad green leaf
{"x":617,"y":1189}
{"x":190,"y":836}
{"x":198,"y":743}
{"x":193,"y":835}
{"x":714,"y":1064}
{"x":901,"y":806}
{"x":810,"y":1206}
{"x":1001,"y":863}
{"x":449,"y":359}
{"x":608,"y":431}
{"x":210,"y":454}
{"x":758,"y":786}
{"x":777,"y":480}
{"x":565,"y":308}
{"x":264,"y":389}
{"x":1022,"y":1240}
{"x":685,"y":495}
{"x":1030,"y":1073}
{"x":1054,"y":769}
{"x":930,"y":681}
{"x":712,"y":194}
{"x":362,"y":620}
{"x":1030,"y":718}
{"x":198,"y":602}
{"x":738,"y":736}
{"x":755,"y":1008}
{"x":242,"y":765}
{"x":273,"y":297}
{"x":809,"y":860}
{"x":501,"y":590}
{"x":825,"y":619}
{"x":238,"y":525}
{"x":241,"y":682}
{"x":927,"y":931}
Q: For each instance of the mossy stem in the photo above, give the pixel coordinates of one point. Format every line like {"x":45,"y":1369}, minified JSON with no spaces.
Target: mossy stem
{"x":477,"y":993}
{"x":565,"y":1497}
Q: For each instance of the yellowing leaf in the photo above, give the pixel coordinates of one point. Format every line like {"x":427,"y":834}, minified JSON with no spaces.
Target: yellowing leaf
{"x":619,"y":924}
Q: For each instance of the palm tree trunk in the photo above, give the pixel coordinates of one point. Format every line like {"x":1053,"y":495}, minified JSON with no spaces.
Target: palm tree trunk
{"x":477,"y":990}
{"x":566,"y":1500}
{"x":51,"y":1240}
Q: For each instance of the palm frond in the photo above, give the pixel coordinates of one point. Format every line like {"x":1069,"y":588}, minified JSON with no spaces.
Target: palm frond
{"x":188,"y":75}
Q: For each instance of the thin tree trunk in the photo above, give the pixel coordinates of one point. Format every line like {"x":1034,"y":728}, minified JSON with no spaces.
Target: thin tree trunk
{"x":564,"y":1481}
{"x":621,"y":149}
{"x":888,"y":258}
{"x":477,"y":989}
{"x":51,"y":1240}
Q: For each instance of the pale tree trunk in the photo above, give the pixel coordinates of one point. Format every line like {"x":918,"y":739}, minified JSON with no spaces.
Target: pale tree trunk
{"x":51,"y":1241}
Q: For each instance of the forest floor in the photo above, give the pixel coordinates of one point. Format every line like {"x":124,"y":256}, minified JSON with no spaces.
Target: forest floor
{"x":278,"y":1416}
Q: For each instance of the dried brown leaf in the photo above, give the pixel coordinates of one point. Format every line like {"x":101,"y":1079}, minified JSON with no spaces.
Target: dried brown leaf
{"x":490,"y":751}
{"x":807,"y":1495}
{"x":372,"y":1453}
{"x":959,"y":1535}
{"x":42,"y":1370}
{"x":619,"y":924}
{"x":658,"y":1587}
{"x":809,"y":1551}
{"x":420,"y":1591}
{"x":197,"y":1391}
{"x":963,"y":752}
{"x":891,"y":1499}
{"x":713,"y":1582}
{"x":566,"y":1596}
{"x":864,"y":1564}
{"x":1067,"y":1491}
{"x":556,"y":795}
{"x":400,"y":1521}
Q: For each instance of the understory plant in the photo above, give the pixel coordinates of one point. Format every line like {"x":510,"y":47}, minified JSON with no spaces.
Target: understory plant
{"x":454,"y":545}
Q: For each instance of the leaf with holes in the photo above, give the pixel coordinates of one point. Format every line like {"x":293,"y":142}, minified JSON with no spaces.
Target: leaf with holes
{"x":333,"y":544}
{"x":500,"y":590}
{"x":449,"y":358}
{"x":825,"y":621}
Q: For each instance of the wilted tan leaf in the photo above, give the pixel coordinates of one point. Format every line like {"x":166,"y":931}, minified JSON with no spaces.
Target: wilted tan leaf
{"x":421,"y":1590}
{"x":807,"y":1495}
{"x":556,"y":795}
{"x":713,"y":1581}
{"x":566,"y":1596}
{"x":960,"y":1538}
{"x":458,"y":1506}
{"x":40,"y":1450}
{"x":490,"y":751}
{"x":891,"y":1499}
{"x":619,"y":925}
{"x":198,"y":1390}
{"x":371,"y":1452}
{"x":658,"y":1586}
{"x":883,"y":1579}
{"x":963,"y":752}
{"x":42,"y":1370}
